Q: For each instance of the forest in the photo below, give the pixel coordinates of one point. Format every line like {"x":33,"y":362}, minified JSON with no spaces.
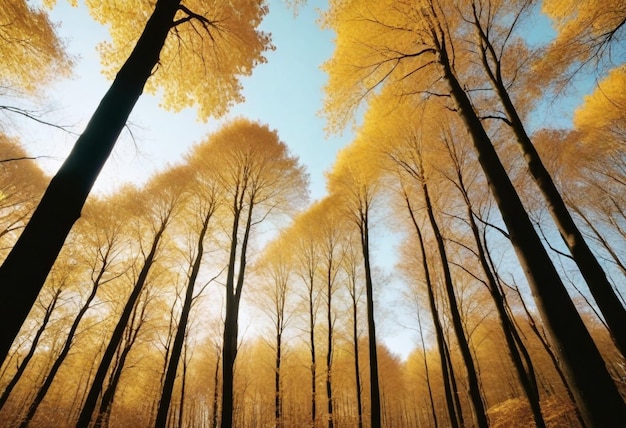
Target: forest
{"x":218,"y":293}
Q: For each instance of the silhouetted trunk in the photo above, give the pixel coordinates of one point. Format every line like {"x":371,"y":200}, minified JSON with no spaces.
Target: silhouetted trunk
{"x":355,"y":347}
{"x":179,"y":339}
{"x":106,"y":403}
{"x":216,"y":384}
{"x":33,"y":346}
{"x":313,"y":358}
{"x":595,"y":391}
{"x":441,"y":340}
{"x":231,"y":323}
{"x":25,"y":269}
{"x":118,"y":333}
{"x":329,"y":343}
{"x":183,"y":385}
{"x":371,"y":325}
{"x":480,"y":416}
{"x":67,"y":346}
{"x":612,"y":309}
{"x":433,"y":412}
{"x":526,"y":374}
{"x":277,"y":391}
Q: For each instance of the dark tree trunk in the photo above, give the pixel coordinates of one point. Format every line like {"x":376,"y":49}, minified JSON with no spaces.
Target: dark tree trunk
{"x":313,"y":358}
{"x":231,"y":324}
{"x":25,"y":269}
{"x":480,"y":416}
{"x":431,"y":400}
{"x":357,"y":367}
{"x":216,"y":384}
{"x":371,"y":325}
{"x":179,"y":339}
{"x":596,"y":394}
{"x":329,"y":343}
{"x":612,"y":309}
{"x":441,"y":340}
{"x":33,"y":346}
{"x":58,"y":362}
{"x":277,"y":392}
{"x":106,"y":404}
{"x":96,"y":387}
{"x":526,"y":374}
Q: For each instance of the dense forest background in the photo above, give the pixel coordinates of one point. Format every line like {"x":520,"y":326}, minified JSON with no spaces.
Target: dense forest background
{"x":219,"y":294}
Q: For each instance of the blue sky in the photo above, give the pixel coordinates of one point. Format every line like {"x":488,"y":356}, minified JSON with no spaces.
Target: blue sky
{"x":285,"y":93}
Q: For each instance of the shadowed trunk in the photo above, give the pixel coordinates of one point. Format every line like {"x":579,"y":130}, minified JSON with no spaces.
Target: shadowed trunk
{"x":371,"y":325}
{"x":607,"y":300}
{"x":96,"y":387}
{"x":179,"y":339}
{"x":441,"y":345}
{"x":33,"y":346}
{"x":596,"y":394}
{"x":25,"y":269}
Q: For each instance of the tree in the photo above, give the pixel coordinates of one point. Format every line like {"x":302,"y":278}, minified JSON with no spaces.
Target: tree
{"x":353,"y":180}
{"x":161,"y":198}
{"x":414,"y":49}
{"x":258,"y":178}
{"x":221,"y":51}
{"x":492,"y":54}
{"x":205,"y":202}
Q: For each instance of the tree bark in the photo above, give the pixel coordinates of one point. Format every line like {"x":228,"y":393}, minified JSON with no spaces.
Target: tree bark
{"x":25,"y":269}
{"x":607,"y":300}
{"x":595,"y":392}
{"x":375,"y":415}
{"x":179,"y":339}
{"x":96,"y":387}
{"x":33,"y":346}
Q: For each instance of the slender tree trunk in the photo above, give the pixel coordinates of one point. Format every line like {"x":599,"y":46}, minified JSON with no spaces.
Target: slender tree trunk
{"x":183,"y":385}
{"x":25,"y":269}
{"x":33,"y":346}
{"x":329,"y":343}
{"x":179,"y":339}
{"x":58,"y":362}
{"x":216,"y":381}
{"x":480,"y":415}
{"x":106,"y":403}
{"x":277,"y":392}
{"x":525,"y":375}
{"x":433,"y":412}
{"x":96,"y":387}
{"x":441,"y":340}
{"x":231,"y":326}
{"x":375,"y":414}
{"x":313,"y":361}
{"x":357,"y":367}
{"x":612,"y":309}
{"x":596,"y":394}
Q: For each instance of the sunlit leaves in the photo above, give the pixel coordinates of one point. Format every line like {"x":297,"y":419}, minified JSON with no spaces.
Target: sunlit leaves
{"x":210,"y":47}
{"x":32,"y":54}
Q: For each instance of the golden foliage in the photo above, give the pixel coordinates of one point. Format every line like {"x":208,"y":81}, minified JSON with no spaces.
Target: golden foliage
{"x":210,"y":47}
{"x":32,"y":54}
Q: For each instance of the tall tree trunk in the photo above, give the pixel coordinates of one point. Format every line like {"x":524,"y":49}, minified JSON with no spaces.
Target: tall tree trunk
{"x":441,"y":340}
{"x":25,"y":269}
{"x":375,"y":415}
{"x":525,"y":375}
{"x":106,"y":403}
{"x":480,"y":415}
{"x":277,"y":381}
{"x":313,"y":358}
{"x":595,"y":392}
{"x":118,"y":333}
{"x":33,"y":346}
{"x":612,"y":309}
{"x":58,"y":362}
{"x":431,"y":400}
{"x":216,"y":379}
{"x":231,"y":325}
{"x":355,"y":346}
{"x":179,"y":339}
{"x":329,"y":343}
